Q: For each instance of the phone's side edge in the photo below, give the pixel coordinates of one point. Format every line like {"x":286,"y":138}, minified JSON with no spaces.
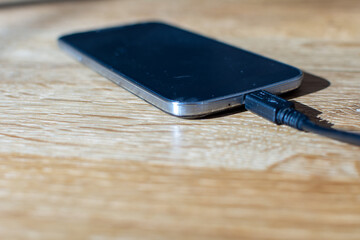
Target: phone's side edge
{"x":163,"y":104}
{"x":189,"y":110}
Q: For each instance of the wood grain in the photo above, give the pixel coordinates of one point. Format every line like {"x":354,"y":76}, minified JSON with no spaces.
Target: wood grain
{"x":83,"y":159}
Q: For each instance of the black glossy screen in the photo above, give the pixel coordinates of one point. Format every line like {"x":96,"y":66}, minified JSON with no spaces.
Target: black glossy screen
{"x":177,"y":64}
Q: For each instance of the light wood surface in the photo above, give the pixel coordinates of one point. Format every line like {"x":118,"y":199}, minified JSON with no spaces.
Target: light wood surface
{"x":84,"y":159}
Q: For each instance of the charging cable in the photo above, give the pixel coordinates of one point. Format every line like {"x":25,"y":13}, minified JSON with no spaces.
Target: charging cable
{"x":281,"y":111}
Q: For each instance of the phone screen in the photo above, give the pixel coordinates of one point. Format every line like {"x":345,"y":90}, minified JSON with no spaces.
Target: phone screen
{"x":176,"y":64}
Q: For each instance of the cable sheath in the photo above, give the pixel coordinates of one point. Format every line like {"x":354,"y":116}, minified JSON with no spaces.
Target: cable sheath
{"x":339,"y":135}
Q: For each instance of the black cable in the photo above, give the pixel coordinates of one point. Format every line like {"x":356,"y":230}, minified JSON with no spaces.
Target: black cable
{"x":281,"y":111}
{"x":339,"y":135}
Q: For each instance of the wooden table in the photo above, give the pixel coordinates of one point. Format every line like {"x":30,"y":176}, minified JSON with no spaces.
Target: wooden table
{"x":84,"y":159}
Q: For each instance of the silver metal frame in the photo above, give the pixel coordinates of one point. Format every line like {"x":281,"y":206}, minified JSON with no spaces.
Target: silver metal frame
{"x":180,"y":109}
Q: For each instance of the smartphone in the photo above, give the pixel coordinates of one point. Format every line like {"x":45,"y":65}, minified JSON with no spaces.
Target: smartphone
{"x":180,"y":72}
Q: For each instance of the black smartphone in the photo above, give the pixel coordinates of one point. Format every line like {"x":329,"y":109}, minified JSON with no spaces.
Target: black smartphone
{"x":180,"y":72}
